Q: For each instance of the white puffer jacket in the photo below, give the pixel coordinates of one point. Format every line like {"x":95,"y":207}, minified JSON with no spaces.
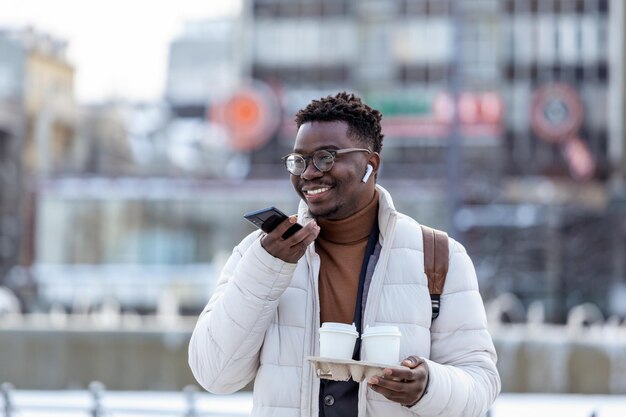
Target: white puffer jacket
{"x":262,"y":321}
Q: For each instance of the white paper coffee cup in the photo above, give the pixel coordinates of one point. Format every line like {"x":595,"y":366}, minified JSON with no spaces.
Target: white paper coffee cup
{"x":381,"y":344}
{"x":337,"y":340}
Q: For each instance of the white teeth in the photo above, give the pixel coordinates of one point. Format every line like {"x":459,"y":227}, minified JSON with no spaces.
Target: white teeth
{"x":318,"y":191}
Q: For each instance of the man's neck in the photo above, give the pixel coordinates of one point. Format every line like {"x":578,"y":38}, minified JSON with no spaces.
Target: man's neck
{"x":352,"y":228}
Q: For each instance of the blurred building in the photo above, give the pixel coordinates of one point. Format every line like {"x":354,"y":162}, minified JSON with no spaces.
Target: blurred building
{"x":558,"y":237}
{"x":571,"y":43}
{"x":37,"y":123}
{"x":141,"y":240}
{"x":204,"y":65}
{"x":10,"y":190}
{"x":11,"y":145}
{"x":41,"y":79}
{"x":103,"y":143}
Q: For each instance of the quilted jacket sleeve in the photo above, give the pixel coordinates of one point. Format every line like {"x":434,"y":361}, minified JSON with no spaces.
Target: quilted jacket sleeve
{"x":463,"y":379}
{"x":225,"y":344}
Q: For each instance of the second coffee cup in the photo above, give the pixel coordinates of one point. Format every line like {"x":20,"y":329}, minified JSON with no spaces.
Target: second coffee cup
{"x":381,"y":344}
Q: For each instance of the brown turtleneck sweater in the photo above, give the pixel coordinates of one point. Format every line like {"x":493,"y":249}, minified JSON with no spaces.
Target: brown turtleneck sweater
{"x":341,"y":246}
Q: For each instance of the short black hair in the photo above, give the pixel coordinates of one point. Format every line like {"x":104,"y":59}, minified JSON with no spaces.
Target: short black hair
{"x":363,"y":121}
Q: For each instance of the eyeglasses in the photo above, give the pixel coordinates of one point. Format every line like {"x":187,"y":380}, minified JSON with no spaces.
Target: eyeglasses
{"x":323,"y":159}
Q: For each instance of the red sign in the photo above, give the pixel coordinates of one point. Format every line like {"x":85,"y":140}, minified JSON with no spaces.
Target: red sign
{"x":485,"y":108}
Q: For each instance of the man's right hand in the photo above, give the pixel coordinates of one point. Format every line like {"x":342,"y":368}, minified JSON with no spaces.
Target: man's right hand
{"x":292,"y":248}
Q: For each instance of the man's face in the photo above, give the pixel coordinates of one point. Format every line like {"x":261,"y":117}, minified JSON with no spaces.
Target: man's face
{"x":338,"y":193}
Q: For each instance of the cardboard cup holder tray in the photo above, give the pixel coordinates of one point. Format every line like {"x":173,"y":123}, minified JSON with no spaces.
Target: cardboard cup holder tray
{"x":346,"y":369}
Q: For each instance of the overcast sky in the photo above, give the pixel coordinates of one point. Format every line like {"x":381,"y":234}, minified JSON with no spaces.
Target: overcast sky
{"x":119,"y":47}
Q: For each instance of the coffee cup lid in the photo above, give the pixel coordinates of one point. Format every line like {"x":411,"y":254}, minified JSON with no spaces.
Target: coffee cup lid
{"x":381,"y":331}
{"x":339,"y":327}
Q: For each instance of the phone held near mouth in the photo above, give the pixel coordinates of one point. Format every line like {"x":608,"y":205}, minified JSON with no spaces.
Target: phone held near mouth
{"x":268,"y":218}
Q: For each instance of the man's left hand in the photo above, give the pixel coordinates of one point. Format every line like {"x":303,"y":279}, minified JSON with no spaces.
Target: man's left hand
{"x":405,"y":386}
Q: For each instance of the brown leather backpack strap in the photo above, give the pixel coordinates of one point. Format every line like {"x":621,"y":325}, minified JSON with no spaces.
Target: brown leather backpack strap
{"x":436,"y":258}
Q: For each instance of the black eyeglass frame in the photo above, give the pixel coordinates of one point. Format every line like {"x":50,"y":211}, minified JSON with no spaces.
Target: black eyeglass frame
{"x":331,"y":152}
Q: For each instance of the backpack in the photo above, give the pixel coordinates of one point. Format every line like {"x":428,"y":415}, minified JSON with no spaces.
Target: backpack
{"x":436,"y":257}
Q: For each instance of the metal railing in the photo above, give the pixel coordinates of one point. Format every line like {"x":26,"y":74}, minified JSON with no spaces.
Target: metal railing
{"x":95,"y":402}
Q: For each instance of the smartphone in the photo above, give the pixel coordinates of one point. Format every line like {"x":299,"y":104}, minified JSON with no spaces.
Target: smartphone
{"x":268,"y":218}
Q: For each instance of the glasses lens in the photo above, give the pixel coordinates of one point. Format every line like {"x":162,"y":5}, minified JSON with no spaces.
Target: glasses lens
{"x":295,"y":164}
{"x":323,"y":160}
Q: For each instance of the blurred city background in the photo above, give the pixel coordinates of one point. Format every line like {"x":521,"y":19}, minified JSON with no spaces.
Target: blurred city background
{"x":503,"y":123}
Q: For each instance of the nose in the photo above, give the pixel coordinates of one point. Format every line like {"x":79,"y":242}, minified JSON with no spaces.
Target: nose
{"x":311,"y":171}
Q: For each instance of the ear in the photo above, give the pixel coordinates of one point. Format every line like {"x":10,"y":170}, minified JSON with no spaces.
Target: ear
{"x":374,"y":161}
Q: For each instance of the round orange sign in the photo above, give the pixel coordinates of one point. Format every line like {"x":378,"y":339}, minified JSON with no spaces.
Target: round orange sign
{"x":250,"y":116}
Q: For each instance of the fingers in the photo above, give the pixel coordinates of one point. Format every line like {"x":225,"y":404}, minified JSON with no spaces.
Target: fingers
{"x":292,"y":248}
{"x":393,"y":375}
{"x":279,"y":231}
{"x":390,"y":384}
{"x":305,"y":236}
{"x":285,"y":224}
{"x":412,"y":361}
{"x":400,"y":391}
{"x":403,"y":385}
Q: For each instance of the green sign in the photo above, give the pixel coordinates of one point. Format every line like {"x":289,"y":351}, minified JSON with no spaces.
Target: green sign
{"x":401,"y":104}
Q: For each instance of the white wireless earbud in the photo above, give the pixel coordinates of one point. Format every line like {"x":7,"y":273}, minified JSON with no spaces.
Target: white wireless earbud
{"x":368,"y":172}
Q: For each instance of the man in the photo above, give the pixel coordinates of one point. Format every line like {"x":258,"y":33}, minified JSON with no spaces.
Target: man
{"x":355,"y":260}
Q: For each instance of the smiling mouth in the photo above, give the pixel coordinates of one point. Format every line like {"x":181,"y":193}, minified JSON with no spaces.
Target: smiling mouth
{"x":316,"y":191}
